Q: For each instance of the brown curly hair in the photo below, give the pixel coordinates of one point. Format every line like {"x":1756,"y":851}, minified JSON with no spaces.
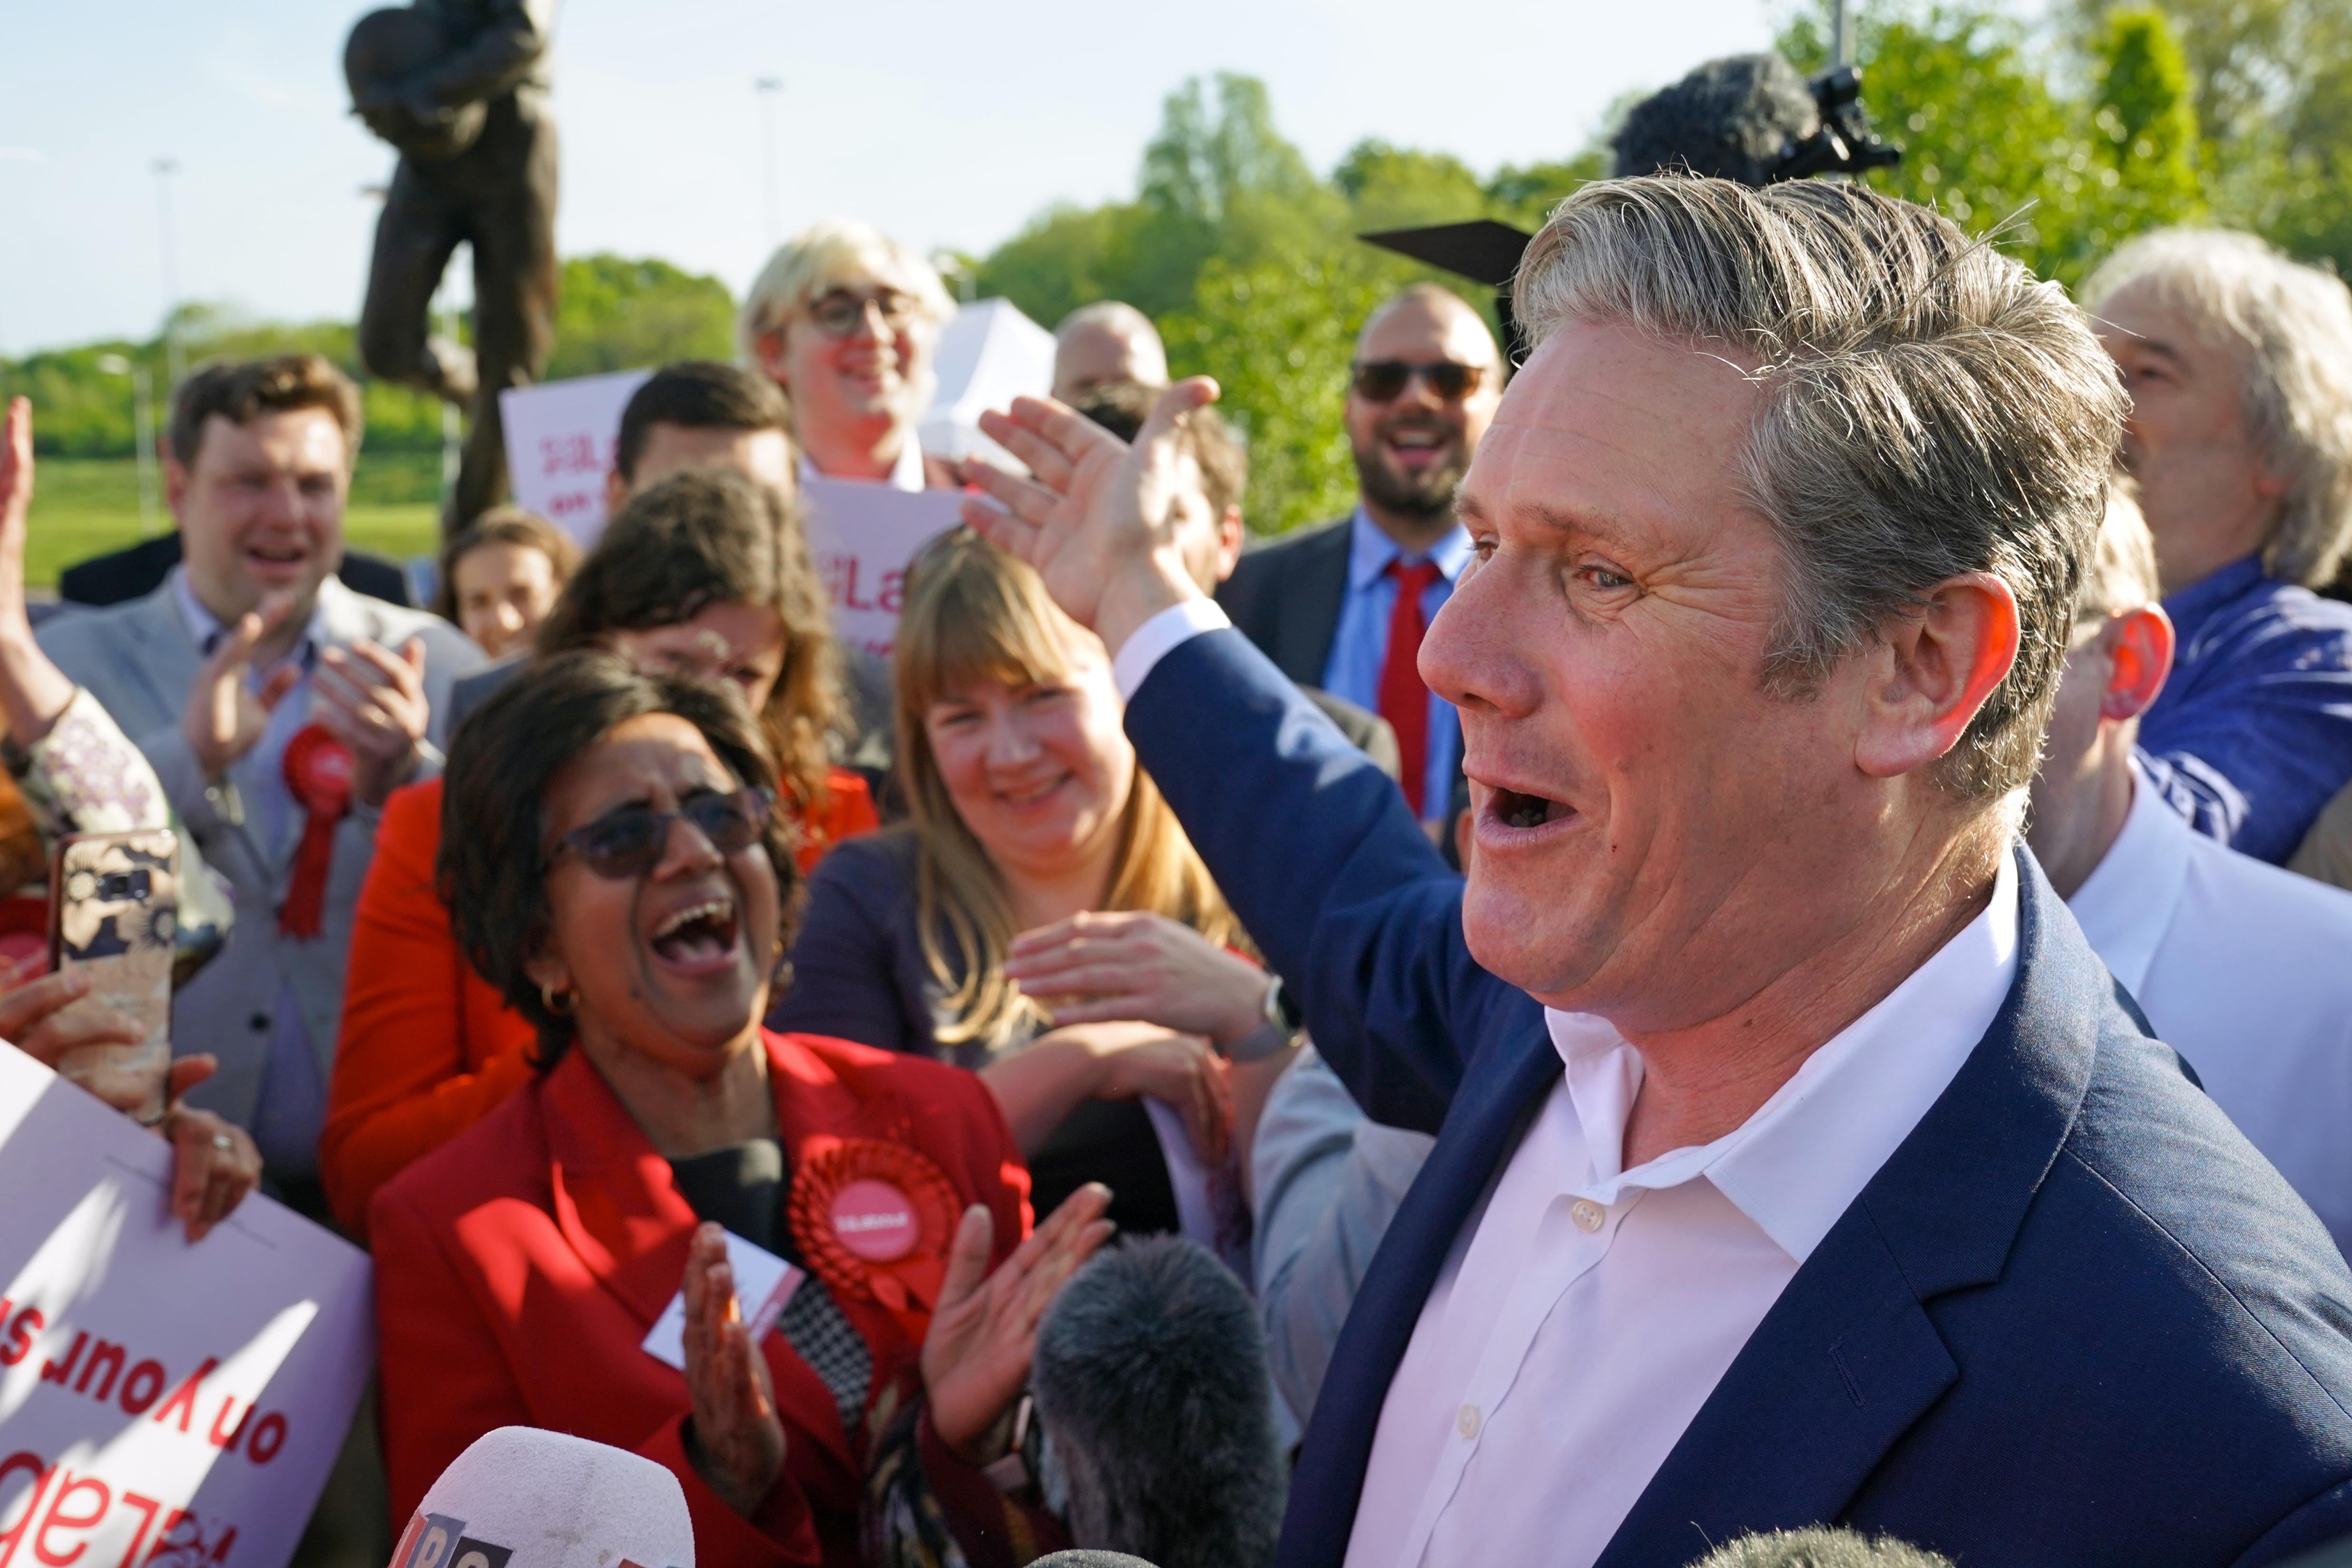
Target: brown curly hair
{"x":705,"y":537}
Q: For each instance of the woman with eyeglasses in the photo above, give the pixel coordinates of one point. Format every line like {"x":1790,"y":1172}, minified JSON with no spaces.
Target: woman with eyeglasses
{"x":1041,"y":918}
{"x":704,"y":575}
{"x":845,"y":318}
{"x":589,"y":1257}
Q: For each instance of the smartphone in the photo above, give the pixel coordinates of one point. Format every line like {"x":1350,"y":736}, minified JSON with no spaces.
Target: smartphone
{"x":113,"y":914}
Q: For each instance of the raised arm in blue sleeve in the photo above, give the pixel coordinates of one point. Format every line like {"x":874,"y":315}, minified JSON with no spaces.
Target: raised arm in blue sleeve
{"x":1319,"y":856}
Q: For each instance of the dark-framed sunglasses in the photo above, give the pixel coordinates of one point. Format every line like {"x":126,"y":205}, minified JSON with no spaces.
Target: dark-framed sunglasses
{"x":628,"y":840}
{"x":1384,"y":380}
{"x":842,"y":312}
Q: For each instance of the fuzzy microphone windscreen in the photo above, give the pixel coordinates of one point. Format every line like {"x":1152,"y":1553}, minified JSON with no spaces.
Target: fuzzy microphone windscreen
{"x":521,"y":1498}
{"x":1158,"y":1417}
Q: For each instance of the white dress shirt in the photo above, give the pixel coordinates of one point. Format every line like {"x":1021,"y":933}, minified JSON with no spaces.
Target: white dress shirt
{"x":2246,"y":970}
{"x":1585,"y":1314}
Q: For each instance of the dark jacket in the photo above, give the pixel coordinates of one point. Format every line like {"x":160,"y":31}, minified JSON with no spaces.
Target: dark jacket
{"x":856,"y":971}
{"x":1286,"y":596}
{"x":2074,"y":1319}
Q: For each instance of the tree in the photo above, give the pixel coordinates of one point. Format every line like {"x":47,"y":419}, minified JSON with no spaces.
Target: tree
{"x":616,"y":314}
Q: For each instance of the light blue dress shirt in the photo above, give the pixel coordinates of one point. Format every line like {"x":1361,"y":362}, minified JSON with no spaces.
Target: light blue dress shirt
{"x":1360,"y":646}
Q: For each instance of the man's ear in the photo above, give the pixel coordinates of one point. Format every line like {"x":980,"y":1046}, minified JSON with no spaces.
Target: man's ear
{"x":769,"y":347}
{"x":1932,"y":671}
{"x":2138,"y":645}
{"x":617,"y":491}
{"x":1231,"y":532}
{"x":175,"y":484}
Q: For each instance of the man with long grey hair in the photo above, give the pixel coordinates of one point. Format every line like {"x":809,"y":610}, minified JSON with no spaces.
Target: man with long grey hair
{"x":1797,"y":1162}
{"x":2239,"y":365}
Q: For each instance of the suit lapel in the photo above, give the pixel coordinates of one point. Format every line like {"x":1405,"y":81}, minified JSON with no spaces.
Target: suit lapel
{"x":1848,"y":1358}
{"x":1482,"y":1126}
{"x":1316,"y":591}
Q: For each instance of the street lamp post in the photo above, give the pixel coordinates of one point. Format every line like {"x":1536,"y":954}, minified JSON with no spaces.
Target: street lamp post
{"x":769,"y":87}
{"x":175,"y":361}
{"x":142,"y":430}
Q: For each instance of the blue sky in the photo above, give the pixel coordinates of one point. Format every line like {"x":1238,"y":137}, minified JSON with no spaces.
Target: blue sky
{"x":949,"y":124}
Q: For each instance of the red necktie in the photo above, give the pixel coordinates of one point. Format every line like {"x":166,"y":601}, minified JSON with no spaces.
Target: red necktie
{"x":1404,"y":700}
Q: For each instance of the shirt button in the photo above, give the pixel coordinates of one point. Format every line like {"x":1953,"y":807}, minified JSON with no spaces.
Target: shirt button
{"x":1466,"y":1423}
{"x":258,"y":1023}
{"x":1587,"y":1214}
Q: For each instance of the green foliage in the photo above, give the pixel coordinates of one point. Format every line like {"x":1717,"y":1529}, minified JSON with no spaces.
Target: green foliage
{"x":1249,"y":262}
{"x":616,"y":314}
{"x":1988,"y":140}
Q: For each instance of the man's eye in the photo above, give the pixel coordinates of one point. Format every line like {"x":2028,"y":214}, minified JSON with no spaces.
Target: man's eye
{"x":1601,"y":577}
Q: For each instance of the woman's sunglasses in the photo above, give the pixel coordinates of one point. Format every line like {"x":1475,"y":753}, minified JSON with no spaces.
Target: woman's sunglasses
{"x":628,"y":841}
{"x":1383,"y":380}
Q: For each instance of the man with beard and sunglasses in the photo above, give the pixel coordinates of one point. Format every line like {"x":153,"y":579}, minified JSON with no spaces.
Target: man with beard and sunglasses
{"x":1326,"y":604}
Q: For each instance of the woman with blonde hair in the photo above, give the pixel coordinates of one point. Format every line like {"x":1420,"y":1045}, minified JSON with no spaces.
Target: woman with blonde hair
{"x":1040,"y":917}
{"x":845,"y":318}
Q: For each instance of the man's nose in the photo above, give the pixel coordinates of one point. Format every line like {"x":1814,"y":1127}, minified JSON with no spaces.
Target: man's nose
{"x":1475,"y":653}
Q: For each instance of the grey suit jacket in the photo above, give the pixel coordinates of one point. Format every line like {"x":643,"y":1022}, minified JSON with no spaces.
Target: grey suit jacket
{"x":139,"y":660}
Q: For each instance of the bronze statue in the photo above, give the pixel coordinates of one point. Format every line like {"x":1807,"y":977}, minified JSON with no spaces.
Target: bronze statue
{"x":459,"y":87}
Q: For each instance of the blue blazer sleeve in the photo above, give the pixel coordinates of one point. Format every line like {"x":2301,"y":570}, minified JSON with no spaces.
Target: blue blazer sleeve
{"x":1336,"y":884}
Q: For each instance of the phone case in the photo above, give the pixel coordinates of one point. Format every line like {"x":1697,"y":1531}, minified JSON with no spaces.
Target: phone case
{"x":114,"y":911}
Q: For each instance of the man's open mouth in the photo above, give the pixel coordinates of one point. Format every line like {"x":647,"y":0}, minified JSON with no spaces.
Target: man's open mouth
{"x":1513,"y":809}
{"x":698,"y":934}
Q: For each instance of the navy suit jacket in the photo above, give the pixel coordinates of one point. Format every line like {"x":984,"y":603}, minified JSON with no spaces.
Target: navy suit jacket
{"x":2075,"y":1318}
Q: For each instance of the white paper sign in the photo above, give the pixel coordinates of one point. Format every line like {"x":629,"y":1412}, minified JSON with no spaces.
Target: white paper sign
{"x":160,"y":1403}
{"x":559,"y":440}
{"x":764,"y":1284}
{"x":861,"y":536}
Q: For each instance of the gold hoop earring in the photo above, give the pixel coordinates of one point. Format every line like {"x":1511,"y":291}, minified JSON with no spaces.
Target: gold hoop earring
{"x":556,"y":1002}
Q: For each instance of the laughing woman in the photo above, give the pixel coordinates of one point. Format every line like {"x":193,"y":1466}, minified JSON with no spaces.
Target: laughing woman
{"x":624,"y":888}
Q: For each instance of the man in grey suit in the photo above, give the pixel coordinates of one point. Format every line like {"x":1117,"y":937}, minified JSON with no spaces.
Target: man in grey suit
{"x":278,"y":709}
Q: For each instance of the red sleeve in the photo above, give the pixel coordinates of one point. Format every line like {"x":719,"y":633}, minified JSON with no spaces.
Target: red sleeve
{"x":443,"y":1375}
{"x":427,"y":1048}
{"x":847,"y":813}
{"x":783,"y":1533}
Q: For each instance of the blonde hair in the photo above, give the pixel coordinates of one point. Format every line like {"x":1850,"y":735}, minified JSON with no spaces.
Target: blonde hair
{"x":975,"y":613}
{"x":828,"y":255}
{"x":2292,"y":327}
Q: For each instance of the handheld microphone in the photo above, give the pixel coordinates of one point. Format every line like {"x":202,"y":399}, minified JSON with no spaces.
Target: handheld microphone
{"x":521,"y":1498}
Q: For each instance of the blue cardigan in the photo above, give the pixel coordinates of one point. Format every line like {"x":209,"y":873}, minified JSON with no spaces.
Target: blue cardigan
{"x":2075,"y":1318}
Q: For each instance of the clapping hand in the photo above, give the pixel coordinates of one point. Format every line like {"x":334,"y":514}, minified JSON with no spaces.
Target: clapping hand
{"x":214,"y":1163}
{"x":225,"y":717}
{"x":984,"y":1330}
{"x":1098,"y":518}
{"x":1100,"y":965}
{"x":374,"y":700}
{"x":735,"y":1438}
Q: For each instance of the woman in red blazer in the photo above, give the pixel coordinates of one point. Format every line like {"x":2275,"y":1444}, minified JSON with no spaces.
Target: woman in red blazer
{"x":694,"y":575}
{"x":621,"y":883}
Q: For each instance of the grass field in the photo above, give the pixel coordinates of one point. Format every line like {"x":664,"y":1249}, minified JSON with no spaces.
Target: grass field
{"x":86,"y":507}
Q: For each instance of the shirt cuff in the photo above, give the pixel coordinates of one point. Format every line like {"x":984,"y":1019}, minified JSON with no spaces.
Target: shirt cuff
{"x":1158,"y":637}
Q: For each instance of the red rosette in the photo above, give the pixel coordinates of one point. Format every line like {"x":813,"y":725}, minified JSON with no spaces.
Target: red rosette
{"x":318,"y":769}
{"x":875,"y":1220}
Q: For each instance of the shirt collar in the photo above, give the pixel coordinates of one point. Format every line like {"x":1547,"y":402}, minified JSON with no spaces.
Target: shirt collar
{"x":205,"y":629}
{"x":1799,"y":1163}
{"x":2213,"y":590}
{"x":2125,"y":906}
{"x":1369,"y":551}
{"x":905,"y":474}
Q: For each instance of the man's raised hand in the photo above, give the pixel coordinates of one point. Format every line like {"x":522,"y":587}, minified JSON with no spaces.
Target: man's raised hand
{"x":1098,"y":518}
{"x":226,"y":718}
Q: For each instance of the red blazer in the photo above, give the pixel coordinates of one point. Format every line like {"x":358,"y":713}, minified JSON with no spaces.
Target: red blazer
{"x":427,"y":1045}
{"x":520,"y":1266}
